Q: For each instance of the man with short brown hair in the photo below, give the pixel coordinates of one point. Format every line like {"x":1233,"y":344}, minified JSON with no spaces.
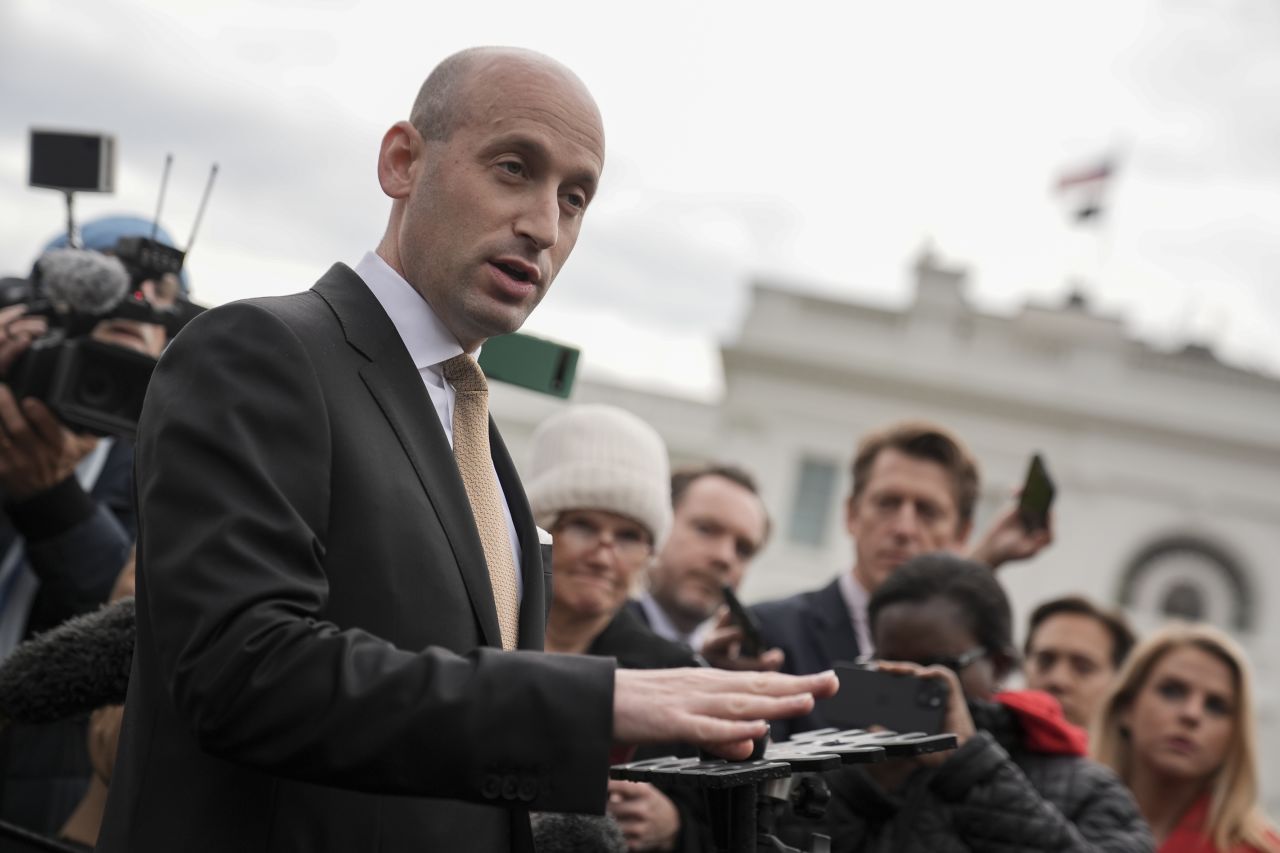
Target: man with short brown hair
{"x":915,"y":486}
{"x":1074,"y":650}
{"x":719,"y":525}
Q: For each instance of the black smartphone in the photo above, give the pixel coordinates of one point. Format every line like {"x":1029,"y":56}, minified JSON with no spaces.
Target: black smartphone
{"x":1037,"y":496}
{"x":900,"y":703}
{"x":752,"y":643}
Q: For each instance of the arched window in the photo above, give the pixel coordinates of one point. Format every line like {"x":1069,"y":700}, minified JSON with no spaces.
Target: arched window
{"x":1184,"y":577}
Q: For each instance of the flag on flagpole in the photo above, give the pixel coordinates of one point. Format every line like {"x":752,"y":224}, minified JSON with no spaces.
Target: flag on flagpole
{"x":1083,"y":189}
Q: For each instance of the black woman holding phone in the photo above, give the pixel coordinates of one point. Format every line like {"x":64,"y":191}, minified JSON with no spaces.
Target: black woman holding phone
{"x":1019,"y":779}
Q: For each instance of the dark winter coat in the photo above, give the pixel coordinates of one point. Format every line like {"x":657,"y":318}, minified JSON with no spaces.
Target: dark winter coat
{"x":993,"y":795}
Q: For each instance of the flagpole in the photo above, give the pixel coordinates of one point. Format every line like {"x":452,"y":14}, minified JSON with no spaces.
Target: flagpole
{"x":1087,"y":190}
{"x":1121,"y":152}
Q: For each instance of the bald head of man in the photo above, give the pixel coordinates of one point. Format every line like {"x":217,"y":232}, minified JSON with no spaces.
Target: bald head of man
{"x":490,"y":179}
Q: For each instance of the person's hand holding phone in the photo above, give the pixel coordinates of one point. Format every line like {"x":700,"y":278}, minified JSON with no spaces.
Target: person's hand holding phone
{"x":1007,"y":540}
{"x":957,"y":720}
{"x":1024,"y":529}
{"x":722,"y":648}
{"x":892,"y":773}
{"x":735,"y":641}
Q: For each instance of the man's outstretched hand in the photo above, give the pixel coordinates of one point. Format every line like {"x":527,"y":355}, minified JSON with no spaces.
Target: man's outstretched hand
{"x":717,"y":710}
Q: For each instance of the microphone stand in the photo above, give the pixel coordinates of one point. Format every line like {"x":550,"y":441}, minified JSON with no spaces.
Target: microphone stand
{"x":745,"y":798}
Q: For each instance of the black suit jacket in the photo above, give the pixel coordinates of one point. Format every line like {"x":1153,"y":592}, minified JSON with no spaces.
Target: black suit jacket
{"x":814,"y":630}
{"x":315,"y":666}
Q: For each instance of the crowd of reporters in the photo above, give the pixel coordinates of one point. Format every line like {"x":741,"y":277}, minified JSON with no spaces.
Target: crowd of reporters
{"x":1117,"y":744}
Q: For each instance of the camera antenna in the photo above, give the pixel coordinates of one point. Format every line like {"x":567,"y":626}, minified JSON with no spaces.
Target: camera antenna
{"x":204,"y":200}
{"x":164,"y":183}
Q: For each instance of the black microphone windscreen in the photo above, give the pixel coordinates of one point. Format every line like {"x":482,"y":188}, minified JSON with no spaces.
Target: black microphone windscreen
{"x":86,"y":282}
{"x":576,"y":833}
{"x":80,"y":665}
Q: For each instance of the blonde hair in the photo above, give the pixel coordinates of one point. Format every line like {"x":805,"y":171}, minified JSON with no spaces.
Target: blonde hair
{"x":1234,"y":815}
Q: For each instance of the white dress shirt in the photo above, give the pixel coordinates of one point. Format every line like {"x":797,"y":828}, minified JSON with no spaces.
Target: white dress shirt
{"x":430,"y":344}
{"x":856,"y":598}
{"x":660,"y":623}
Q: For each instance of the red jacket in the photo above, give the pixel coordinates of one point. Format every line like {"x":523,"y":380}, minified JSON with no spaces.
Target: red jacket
{"x":1044,"y":728}
{"x":1191,"y":835}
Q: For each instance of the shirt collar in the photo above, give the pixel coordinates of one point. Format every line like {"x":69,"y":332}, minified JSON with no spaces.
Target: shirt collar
{"x":660,"y":623}
{"x":856,"y":599}
{"x":428,"y":340}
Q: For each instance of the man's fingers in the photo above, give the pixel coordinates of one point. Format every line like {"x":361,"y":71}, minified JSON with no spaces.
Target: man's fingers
{"x":713,"y":732}
{"x":709,"y":706}
{"x":749,"y":706}
{"x":737,"y":750}
{"x":821,"y":685}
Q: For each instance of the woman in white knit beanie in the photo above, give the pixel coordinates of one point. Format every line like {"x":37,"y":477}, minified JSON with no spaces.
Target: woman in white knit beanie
{"x":599,"y":481}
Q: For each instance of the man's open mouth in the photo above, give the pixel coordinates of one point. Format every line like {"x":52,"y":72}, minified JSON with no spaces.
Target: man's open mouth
{"x":517,"y":273}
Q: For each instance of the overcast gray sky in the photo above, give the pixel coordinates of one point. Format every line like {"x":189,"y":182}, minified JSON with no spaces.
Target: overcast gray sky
{"x":820,"y":146}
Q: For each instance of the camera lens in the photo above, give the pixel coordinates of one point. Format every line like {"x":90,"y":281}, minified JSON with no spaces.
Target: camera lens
{"x":931,"y":694}
{"x":97,"y":389}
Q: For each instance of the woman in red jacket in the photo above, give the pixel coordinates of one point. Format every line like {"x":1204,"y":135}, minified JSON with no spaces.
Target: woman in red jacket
{"x":1179,"y":729}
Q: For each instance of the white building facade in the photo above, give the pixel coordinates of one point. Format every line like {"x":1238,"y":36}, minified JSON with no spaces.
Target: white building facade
{"x":1167,"y":464}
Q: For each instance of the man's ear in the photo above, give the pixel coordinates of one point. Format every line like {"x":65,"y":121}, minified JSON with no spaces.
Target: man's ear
{"x":850,"y":513}
{"x":401,"y":146}
{"x":962,"y":535}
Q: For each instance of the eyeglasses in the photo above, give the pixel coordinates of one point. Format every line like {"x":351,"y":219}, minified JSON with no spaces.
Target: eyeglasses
{"x":956,"y":664}
{"x":959,"y":662}
{"x":630,"y":544}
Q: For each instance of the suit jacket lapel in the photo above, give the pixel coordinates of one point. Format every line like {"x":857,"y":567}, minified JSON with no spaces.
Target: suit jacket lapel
{"x":833,"y":627}
{"x":397,"y":387}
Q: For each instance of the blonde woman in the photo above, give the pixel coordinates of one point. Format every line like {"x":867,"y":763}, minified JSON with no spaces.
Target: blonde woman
{"x":1178,"y":727}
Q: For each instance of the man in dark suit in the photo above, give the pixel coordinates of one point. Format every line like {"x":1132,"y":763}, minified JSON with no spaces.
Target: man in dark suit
{"x":719,"y":524}
{"x":915,"y":486}
{"x":320,"y":608}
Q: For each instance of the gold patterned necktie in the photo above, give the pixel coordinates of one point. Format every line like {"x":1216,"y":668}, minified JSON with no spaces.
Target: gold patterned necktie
{"x":471,"y":451}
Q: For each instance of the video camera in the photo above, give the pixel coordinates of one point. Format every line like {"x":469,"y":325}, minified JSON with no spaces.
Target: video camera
{"x":91,"y":385}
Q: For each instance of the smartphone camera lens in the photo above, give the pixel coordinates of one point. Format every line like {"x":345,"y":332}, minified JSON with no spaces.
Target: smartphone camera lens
{"x":931,"y":694}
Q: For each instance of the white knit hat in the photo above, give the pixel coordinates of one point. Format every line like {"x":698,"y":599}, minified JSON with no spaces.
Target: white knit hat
{"x":602,"y":458}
